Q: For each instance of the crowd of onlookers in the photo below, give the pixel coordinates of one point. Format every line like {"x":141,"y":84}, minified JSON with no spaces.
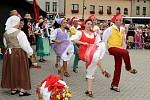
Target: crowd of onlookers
{"x":138,"y":37}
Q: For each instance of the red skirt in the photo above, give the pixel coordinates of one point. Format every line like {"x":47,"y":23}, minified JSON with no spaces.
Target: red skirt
{"x":86,"y":53}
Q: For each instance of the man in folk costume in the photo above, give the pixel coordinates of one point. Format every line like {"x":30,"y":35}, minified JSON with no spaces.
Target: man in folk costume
{"x":15,"y":73}
{"x":73,"y":30}
{"x":28,"y":28}
{"x":113,"y":38}
{"x":91,"y":50}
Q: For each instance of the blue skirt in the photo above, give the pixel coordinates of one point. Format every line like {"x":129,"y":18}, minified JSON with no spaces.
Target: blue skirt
{"x":42,"y":46}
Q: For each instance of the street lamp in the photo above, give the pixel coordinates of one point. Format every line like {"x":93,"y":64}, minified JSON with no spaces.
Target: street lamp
{"x":83,"y":9}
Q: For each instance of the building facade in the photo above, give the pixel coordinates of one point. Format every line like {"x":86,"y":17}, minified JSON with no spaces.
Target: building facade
{"x":103,"y":9}
{"x":140,"y":8}
{"x":52,"y":7}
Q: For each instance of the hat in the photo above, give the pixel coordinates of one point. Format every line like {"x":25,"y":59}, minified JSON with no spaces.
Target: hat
{"x":73,"y":19}
{"x":41,"y":17}
{"x":114,"y":17}
{"x":92,"y":17}
{"x":28,"y":16}
{"x":40,"y":21}
{"x":13,"y":12}
{"x":59,"y":20}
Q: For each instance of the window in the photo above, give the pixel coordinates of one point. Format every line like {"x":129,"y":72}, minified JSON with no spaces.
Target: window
{"x":125,"y":11}
{"x":47,"y":6}
{"x":100,"y":9}
{"x":108,"y":9}
{"x":75,"y":8}
{"x":144,"y":1}
{"x":118,"y":11}
{"x":144,"y":11}
{"x":137,"y":0}
{"x":54,"y":6}
{"x":92,"y":9}
{"x":137,"y":10}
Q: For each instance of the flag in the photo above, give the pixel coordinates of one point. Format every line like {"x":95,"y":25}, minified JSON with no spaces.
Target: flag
{"x":36,"y":10}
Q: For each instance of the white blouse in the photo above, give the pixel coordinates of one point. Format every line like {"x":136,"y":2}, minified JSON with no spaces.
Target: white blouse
{"x":78,"y":36}
{"x":23,"y":41}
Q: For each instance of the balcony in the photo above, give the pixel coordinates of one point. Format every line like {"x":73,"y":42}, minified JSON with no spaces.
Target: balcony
{"x":92,"y":12}
{"x":75,"y":11}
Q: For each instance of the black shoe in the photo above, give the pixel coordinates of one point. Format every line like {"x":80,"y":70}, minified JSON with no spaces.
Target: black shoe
{"x":89,"y":93}
{"x":13,"y":92}
{"x":115,"y":88}
{"x":75,"y":70}
{"x":24,"y":94}
{"x":66,"y":74}
{"x":40,"y":60}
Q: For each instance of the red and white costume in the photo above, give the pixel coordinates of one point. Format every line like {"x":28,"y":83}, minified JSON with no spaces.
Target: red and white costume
{"x":90,"y":53}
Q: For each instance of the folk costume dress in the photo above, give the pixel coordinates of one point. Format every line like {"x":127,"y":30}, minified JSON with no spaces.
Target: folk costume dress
{"x":42,"y":42}
{"x":90,"y":53}
{"x":65,"y":49}
{"x":15,"y":73}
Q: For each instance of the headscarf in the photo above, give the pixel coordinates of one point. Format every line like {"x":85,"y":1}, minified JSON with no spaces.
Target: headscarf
{"x":59,"y":20}
{"x":73,"y":19}
{"x":11,"y":22}
{"x":92,"y":17}
{"x":114,"y":17}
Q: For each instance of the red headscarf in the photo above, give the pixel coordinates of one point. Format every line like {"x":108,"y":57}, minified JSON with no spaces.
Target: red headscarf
{"x":92,"y":17}
{"x":114,"y":17}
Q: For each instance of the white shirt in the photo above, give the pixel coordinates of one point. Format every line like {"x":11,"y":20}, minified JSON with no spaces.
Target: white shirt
{"x":78,"y":36}
{"x":22,"y":39}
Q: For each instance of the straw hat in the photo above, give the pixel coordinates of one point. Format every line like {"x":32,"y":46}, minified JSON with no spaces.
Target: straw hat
{"x":13,"y":12}
{"x":28,"y":16}
{"x":41,"y":17}
{"x":40,"y":21}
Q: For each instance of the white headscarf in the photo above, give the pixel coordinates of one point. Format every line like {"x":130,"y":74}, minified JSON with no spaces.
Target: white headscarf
{"x":59,"y":20}
{"x":11,"y":22}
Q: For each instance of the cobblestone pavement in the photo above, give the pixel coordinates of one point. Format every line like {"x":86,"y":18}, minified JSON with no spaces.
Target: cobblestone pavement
{"x":133,"y":87}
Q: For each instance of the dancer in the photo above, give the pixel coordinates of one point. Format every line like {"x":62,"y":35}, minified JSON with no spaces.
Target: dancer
{"x":91,"y":50}
{"x":114,"y":40}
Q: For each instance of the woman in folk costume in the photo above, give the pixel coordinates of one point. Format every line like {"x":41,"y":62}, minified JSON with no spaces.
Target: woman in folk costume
{"x":15,"y":73}
{"x":95,"y":26}
{"x":113,"y":37}
{"x":62,"y":46}
{"x":73,"y":30}
{"x":91,"y":51}
{"x":42,"y":41}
